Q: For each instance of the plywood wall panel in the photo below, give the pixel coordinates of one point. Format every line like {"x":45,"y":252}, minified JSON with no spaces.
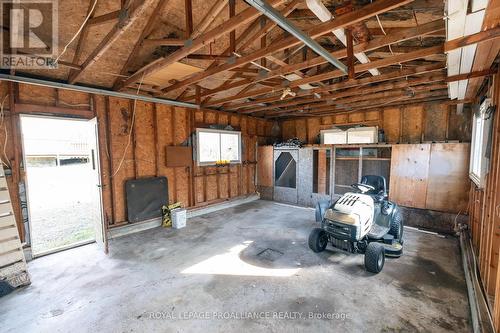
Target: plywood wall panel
{"x":412,"y":123}
{"x":74,"y":99}
{"x":39,"y":95}
{"x":120,"y":118}
{"x":409,"y":173}
{"x":301,"y":129}
{"x":436,"y":122}
{"x":392,"y":125}
{"x":145,"y":140}
{"x":243,"y":125}
{"x":210,"y":117}
{"x":288,"y":128}
{"x":251,"y":126}
{"x":265,"y":166}
{"x":313,"y":128}
{"x":448,"y":184}
{"x":165,"y":138}
{"x":357,"y":117}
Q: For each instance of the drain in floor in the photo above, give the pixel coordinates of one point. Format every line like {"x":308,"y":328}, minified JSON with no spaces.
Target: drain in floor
{"x":270,"y":254}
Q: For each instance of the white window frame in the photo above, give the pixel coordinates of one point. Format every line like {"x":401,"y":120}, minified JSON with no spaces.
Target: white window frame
{"x":374,"y":137}
{"x":334,"y":130}
{"x":209,"y":130}
{"x":479,"y":146}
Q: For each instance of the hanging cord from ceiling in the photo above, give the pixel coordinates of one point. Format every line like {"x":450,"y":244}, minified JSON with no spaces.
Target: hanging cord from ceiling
{"x":78,"y":32}
{"x":130,"y":131}
{"x":385,"y":34}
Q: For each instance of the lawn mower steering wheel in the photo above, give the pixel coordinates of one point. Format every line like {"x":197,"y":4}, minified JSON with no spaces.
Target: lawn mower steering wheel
{"x":363,"y":188}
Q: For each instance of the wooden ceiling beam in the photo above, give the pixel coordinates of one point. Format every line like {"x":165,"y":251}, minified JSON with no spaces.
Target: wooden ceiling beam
{"x":348,"y":84}
{"x":429,"y":78}
{"x":163,"y":42}
{"x":188,"y":13}
{"x":119,"y":28}
{"x":471,"y":75}
{"x":247,"y":39}
{"x":206,"y":38}
{"x":399,"y":36}
{"x":391,"y":99}
{"x":160,"y":7}
{"x":316,"y":31}
{"x":105,"y":18}
{"x":212,"y":14}
{"x":397,"y":59}
{"x":337,"y":73}
{"x":83,"y":36}
{"x":364,"y":99}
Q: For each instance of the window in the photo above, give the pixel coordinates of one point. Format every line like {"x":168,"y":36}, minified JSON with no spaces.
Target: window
{"x":480,"y":146}
{"x":352,"y":135}
{"x":362,"y":135}
{"x":218,"y":145}
{"x":333,"y":137}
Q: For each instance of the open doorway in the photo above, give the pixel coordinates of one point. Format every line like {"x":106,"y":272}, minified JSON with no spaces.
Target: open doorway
{"x":62,"y":181}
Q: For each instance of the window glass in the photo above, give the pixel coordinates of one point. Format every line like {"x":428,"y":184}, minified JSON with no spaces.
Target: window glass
{"x":218,"y":145}
{"x":230,"y":147}
{"x":209,"y":146}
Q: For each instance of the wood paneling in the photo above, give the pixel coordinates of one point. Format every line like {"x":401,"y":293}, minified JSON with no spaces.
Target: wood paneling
{"x":265,"y":166}
{"x":447,"y":185}
{"x":409,"y":172}
{"x":425,"y":122}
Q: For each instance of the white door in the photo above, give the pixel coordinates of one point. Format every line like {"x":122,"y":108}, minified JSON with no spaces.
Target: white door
{"x":98,"y":215}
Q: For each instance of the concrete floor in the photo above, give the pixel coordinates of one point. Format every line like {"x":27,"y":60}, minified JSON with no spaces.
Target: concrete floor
{"x":251,"y":261}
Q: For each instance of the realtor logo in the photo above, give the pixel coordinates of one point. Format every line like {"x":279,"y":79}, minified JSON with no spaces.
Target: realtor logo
{"x":29,"y":35}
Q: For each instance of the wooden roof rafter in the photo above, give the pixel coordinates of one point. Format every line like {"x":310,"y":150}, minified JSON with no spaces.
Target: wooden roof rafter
{"x":195,"y":44}
{"x":134,"y":10}
{"x":284,"y":43}
{"x":401,"y":35}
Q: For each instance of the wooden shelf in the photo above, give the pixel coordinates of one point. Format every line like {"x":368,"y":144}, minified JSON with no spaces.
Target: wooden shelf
{"x":356,"y":158}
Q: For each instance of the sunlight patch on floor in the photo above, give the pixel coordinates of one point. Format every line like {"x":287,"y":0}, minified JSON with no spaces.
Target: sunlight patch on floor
{"x":230,"y":264}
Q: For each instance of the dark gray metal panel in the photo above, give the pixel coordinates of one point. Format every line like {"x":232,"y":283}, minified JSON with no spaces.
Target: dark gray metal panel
{"x":145,"y":198}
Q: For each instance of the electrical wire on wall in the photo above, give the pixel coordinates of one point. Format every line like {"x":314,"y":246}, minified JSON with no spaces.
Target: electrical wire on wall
{"x":2,"y":124}
{"x":129,"y":132}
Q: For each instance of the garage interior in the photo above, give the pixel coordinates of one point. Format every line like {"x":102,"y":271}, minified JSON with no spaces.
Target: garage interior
{"x":215,"y":132}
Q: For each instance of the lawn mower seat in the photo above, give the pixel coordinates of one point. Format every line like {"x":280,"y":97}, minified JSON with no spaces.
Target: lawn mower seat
{"x":378,"y":182}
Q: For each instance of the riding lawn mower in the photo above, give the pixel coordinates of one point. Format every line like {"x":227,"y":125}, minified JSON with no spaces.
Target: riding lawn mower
{"x":361,"y":221}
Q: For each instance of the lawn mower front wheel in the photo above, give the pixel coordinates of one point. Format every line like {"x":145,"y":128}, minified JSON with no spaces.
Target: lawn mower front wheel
{"x":374,"y":257}
{"x":318,"y":240}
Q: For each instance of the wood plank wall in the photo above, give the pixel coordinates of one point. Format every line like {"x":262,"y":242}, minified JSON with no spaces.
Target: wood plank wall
{"x":156,"y":126}
{"x":409,"y":124}
{"x":484,"y":215}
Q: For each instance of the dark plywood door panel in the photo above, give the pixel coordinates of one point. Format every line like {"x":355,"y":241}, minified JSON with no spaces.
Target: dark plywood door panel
{"x":265,"y":166}
{"x":409,"y":172}
{"x":448,"y":183}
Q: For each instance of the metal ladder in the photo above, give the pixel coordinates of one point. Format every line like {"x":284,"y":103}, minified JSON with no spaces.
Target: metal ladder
{"x":13,"y":268}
